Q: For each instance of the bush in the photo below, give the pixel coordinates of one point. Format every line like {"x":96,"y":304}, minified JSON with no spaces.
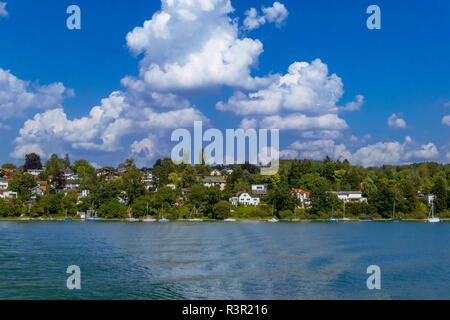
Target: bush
{"x":221,"y":210}
{"x":112,"y":209}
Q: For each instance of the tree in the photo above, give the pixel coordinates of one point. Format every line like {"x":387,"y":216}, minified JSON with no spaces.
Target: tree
{"x":282,"y":199}
{"x":66,"y":161}
{"x":221,"y":210}
{"x":112,"y":209}
{"x":22,"y":183}
{"x":32,"y":161}
{"x":439,"y":189}
{"x":132,"y":181}
{"x":8,"y":166}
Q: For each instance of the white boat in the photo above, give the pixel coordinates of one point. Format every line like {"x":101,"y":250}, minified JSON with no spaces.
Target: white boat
{"x":147,"y":217}
{"x":230,"y":220}
{"x":133,"y":220}
{"x":432,"y":219}
{"x":195,"y":214}
{"x":273,"y":218}
{"x":344,"y":219}
{"x":333,"y":219}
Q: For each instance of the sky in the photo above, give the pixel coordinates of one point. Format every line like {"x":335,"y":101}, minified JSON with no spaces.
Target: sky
{"x":136,"y":71}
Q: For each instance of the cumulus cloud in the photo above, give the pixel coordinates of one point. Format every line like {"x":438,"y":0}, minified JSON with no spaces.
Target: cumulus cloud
{"x":3,"y":12}
{"x":446,"y":120}
{"x":17,"y":95}
{"x":376,"y":154}
{"x":395,"y":121}
{"x":103,"y":128}
{"x":277,"y":13}
{"x":306,"y":87}
{"x":248,"y":124}
{"x":192,"y":45}
{"x":302,"y":122}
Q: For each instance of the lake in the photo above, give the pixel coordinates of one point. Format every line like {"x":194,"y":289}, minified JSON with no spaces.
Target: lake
{"x":211,"y":260}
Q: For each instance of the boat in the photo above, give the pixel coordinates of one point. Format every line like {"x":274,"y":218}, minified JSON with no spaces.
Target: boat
{"x":133,"y":220}
{"x":93,"y":219}
{"x":365,"y":219}
{"x":162,"y":219}
{"x":333,"y":219}
{"x":195,"y":214}
{"x":147,"y":217}
{"x":230,"y":220}
{"x":273,"y":220}
{"x":393,"y":219}
{"x":344,"y":219}
{"x":66,"y":218}
{"x":432,"y":219}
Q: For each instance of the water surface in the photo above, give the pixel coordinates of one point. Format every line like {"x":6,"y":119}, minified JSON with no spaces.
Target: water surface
{"x":245,"y":260}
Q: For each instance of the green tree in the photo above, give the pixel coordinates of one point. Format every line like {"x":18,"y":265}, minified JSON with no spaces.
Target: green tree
{"x":22,"y":184}
{"x":112,"y":209}
{"x":221,"y":210}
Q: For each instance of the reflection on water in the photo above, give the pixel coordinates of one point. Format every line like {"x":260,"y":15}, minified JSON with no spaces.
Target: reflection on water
{"x":224,"y":260}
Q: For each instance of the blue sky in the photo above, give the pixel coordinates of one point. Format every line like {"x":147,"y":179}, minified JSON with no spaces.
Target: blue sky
{"x":51,"y":78}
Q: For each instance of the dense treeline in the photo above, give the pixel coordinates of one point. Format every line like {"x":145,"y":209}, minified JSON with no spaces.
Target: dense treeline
{"x":126,"y":195}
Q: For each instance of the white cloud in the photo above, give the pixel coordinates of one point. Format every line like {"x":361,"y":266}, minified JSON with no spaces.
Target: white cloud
{"x":288,"y":154}
{"x":446,"y":120}
{"x":3,"y":12}
{"x":103,"y":128}
{"x":277,"y":13}
{"x":395,"y":121}
{"x":389,"y":153}
{"x":302,"y":122}
{"x":193,"y":44}
{"x":306,"y":87}
{"x":321,"y":134}
{"x":371,"y":155}
{"x":20,"y":151}
{"x":18,"y":95}
{"x":248,"y":124}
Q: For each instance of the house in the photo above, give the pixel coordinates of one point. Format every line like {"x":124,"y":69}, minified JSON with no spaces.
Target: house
{"x":171,"y":186}
{"x":37,"y":191}
{"x":259,"y":189}
{"x":211,"y":182}
{"x":350,"y":196}
{"x":215,"y":173}
{"x":229,"y":171}
{"x":34,"y":172}
{"x":245,"y":199}
{"x":147,"y":179}
{"x":185,"y":191}
{"x":302,"y":195}
{"x":4,"y":184}
{"x":83,"y":193}
{"x":234,"y":201}
{"x":5,"y":194}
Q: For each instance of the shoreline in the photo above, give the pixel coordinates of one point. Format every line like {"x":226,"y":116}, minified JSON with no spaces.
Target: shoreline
{"x":62,"y":219}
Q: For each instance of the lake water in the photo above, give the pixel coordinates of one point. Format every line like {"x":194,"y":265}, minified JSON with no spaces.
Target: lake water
{"x":244,"y":260}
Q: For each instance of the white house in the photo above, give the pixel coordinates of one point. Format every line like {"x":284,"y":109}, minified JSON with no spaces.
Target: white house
{"x":259,"y":189}
{"x":350,"y":196}
{"x":37,"y":191}
{"x":215,"y":173}
{"x":302,"y":195}
{"x":34,"y":172}
{"x":4,"y":184}
{"x":4,"y":194}
{"x":245,"y":199}
{"x":211,"y":182}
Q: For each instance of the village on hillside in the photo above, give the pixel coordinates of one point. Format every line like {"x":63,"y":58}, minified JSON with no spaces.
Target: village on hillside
{"x":302,"y":189}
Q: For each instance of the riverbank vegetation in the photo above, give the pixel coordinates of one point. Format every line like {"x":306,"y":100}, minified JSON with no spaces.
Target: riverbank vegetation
{"x":178,"y":192}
